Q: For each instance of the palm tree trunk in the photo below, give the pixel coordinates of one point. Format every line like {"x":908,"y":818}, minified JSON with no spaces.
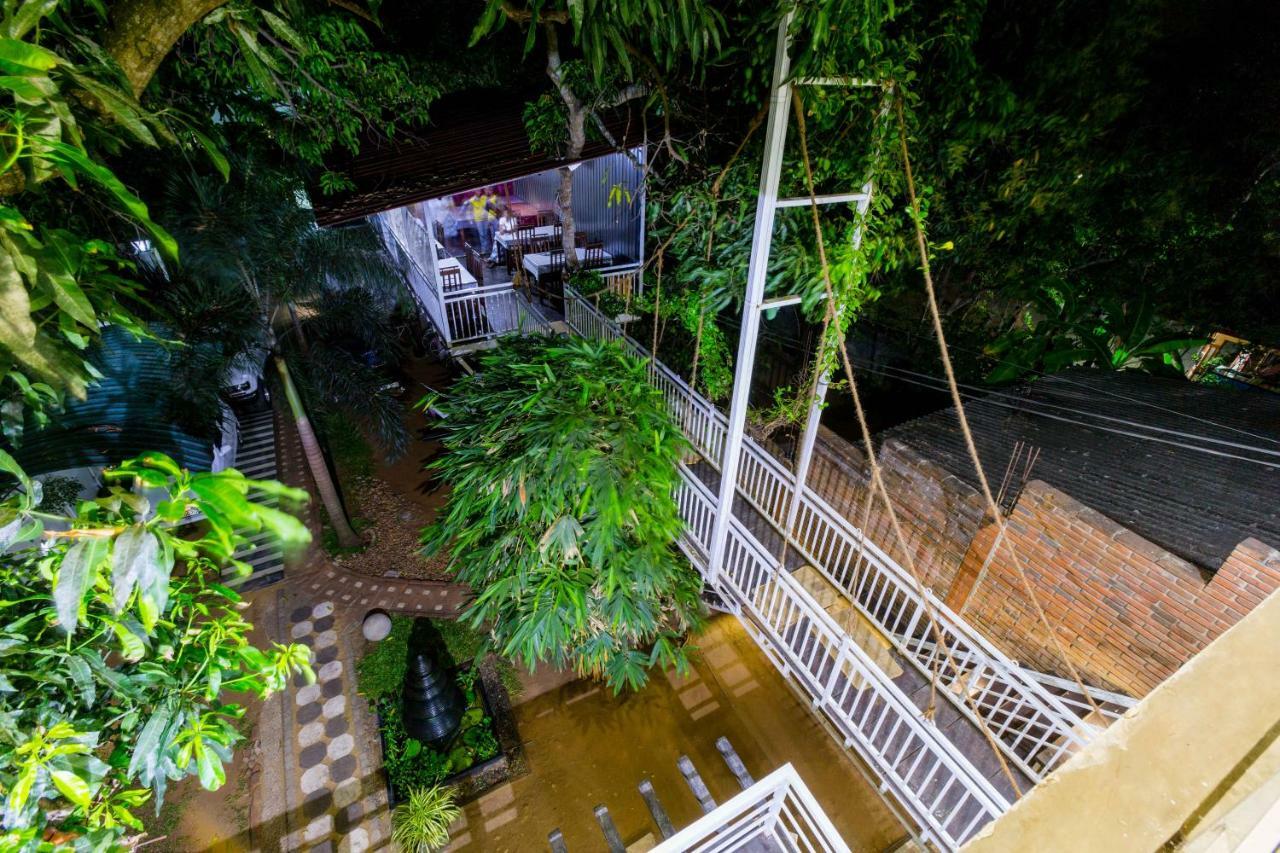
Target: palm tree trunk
{"x":347,"y":537}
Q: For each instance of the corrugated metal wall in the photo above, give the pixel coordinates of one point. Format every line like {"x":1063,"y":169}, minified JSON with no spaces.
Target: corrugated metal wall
{"x":617,"y":225}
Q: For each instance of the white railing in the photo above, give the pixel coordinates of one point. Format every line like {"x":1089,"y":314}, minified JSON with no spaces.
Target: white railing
{"x":464,"y":316}
{"x":479,"y":313}
{"x":1033,"y":728}
{"x":946,"y":795}
{"x":777,"y":809}
{"x":624,"y":280}
{"x":1112,"y":705}
{"x":421,"y":287}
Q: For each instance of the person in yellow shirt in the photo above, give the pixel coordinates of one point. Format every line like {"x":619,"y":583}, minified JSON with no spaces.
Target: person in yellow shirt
{"x":484,"y":212}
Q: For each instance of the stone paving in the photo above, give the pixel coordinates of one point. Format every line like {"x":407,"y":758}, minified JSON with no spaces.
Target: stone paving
{"x":322,"y":786}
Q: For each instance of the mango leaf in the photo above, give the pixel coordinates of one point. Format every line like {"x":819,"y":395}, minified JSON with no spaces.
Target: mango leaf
{"x":214,"y":154}
{"x":209,"y":766}
{"x":150,"y":743}
{"x":74,"y":579}
{"x":135,"y":562}
{"x":83,"y":678}
{"x":29,"y":14}
{"x":27,"y":55}
{"x":72,"y":787}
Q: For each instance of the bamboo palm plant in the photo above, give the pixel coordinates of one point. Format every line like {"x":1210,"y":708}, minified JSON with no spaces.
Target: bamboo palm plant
{"x":562,"y":460}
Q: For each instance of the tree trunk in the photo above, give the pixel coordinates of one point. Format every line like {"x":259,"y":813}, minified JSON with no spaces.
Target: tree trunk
{"x":577,"y":141}
{"x":144,"y":31}
{"x":347,"y":537}
{"x":297,"y":328}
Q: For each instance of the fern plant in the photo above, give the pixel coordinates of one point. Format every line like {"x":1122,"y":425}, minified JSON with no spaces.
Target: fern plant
{"x":421,"y":823}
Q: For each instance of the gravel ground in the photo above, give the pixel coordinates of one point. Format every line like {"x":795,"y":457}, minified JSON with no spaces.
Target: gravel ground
{"x":394,"y":527}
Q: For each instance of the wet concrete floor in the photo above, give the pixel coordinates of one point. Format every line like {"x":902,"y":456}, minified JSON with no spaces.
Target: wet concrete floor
{"x":586,"y":747}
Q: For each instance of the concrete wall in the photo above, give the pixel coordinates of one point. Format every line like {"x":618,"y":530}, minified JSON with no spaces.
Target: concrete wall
{"x":1128,"y":612}
{"x":1178,"y":771}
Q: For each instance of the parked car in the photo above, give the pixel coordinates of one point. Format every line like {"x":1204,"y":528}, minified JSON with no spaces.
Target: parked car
{"x":243,"y":382}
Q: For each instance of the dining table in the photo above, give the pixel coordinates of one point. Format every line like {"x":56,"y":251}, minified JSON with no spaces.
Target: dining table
{"x":449,"y":263}
{"x":506,"y":241}
{"x":538,"y":264}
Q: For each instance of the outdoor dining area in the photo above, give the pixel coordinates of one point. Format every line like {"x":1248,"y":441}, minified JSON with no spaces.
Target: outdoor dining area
{"x":495,"y":259}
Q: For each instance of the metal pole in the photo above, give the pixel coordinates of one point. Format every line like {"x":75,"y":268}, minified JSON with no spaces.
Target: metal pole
{"x":806,"y":449}
{"x":805,"y":452}
{"x":761,"y":238}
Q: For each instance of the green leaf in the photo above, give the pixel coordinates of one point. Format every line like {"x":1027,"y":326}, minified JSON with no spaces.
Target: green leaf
{"x":29,"y":14}
{"x":76,"y":159}
{"x":214,"y":154}
{"x":72,"y":787}
{"x":135,"y":563}
{"x":149,"y":745}
{"x":75,"y":577}
{"x":209,"y":766}
{"x":28,"y":55}
{"x":83,"y":678}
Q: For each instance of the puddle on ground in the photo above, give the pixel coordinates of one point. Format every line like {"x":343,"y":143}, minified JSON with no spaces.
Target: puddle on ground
{"x":586,"y":747}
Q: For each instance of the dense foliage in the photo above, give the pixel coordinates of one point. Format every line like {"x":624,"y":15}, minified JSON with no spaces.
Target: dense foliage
{"x":1093,"y":198}
{"x":118,"y":646}
{"x":561,"y":458}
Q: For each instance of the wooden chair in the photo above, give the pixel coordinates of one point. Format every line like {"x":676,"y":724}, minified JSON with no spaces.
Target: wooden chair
{"x":525,"y":234}
{"x":439,"y":232}
{"x":548,"y":217}
{"x":594,"y":255}
{"x":580,"y":239}
{"x":475,"y":264}
{"x":451,"y":279}
{"x":551,"y":280}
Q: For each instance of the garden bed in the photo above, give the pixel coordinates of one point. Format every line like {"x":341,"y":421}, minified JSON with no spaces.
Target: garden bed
{"x":485,"y":751}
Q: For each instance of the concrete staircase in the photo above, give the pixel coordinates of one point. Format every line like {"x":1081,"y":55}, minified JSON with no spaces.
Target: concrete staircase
{"x":256,"y":459}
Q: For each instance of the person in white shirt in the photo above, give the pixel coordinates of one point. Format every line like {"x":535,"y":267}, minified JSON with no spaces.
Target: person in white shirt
{"x":506,"y":228}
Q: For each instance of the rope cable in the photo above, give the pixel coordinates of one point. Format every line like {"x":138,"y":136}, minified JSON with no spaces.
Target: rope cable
{"x":945,"y":356}
{"x":832,"y":316}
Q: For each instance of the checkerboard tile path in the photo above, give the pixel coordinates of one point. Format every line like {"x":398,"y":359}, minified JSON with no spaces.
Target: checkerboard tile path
{"x":329,"y":775}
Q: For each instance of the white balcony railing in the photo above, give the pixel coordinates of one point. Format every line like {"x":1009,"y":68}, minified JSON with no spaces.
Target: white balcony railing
{"x":1035,"y":729}
{"x":466,"y":316}
{"x":776,"y":813}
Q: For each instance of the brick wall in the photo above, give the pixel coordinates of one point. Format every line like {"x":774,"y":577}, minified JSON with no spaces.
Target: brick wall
{"x":939,"y":513}
{"x":1127,"y":612}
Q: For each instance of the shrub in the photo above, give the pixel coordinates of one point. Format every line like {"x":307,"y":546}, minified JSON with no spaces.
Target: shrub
{"x":421,"y":823}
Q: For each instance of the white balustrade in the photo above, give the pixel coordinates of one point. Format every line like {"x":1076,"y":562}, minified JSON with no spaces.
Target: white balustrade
{"x":1035,"y":729}
{"x":778,"y":813}
{"x":464,"y":316}
{"x":945,"y":794}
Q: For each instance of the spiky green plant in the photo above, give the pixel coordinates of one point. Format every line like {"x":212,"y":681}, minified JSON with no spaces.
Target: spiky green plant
{"x":562,"y":461}
{"x":421,"y":823}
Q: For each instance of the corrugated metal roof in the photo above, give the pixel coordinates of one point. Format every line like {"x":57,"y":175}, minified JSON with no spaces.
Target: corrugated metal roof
{"x":1197,"y":505}
{"x":474,"y":139}
{"x":121,"y":416}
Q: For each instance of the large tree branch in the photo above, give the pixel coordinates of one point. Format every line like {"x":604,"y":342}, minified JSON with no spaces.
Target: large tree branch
{"x":524,"y":16}
{"x":144,"y":31}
